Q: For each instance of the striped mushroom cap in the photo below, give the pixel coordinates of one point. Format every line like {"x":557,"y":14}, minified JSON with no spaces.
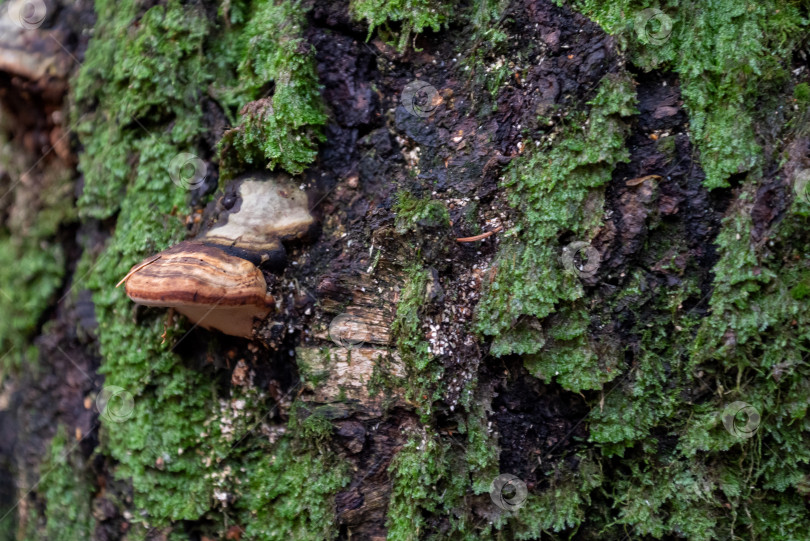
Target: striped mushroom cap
{"x":210,"y":287}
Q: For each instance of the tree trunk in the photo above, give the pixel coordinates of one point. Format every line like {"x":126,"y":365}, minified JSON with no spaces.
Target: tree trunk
{"x":557,"y":285}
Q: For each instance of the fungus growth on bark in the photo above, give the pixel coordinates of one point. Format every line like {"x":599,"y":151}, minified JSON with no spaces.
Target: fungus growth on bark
{"x":216,"y":280}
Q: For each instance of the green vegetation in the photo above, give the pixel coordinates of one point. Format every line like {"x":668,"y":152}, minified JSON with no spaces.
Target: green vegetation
{"x":290,"y":493}
{"x":423,"y":372}
{"x":662,"y":463}
{"x":754,"y":346}
{"x":413,"y":212}
{"x":706,"y":483}
{"x":658,"y":462}
{"x":427,"y":478}
{"x":801,"y":93}
{"x":315,"y":426}
{"x":26,"y":289}
{"x":731,"y":57}
{"x":66,"y":491}
{"x":284,"y":129}
{"x":434,"y":474}
{"x":414,"y":16}
{"x":567,"y":355}
{"x":138,"y":104}
{"x":125,"y":168}
{"x":34,"y":209}
{"x":555,"y":189}
{"x":563,"y":505}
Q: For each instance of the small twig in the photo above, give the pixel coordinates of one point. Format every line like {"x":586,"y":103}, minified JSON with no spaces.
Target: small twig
{"x":136,"y":269}
{"x":482,"y":236}
{"x":639,"y":180}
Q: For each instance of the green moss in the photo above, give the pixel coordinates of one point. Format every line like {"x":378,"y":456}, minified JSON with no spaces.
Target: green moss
{"x":481,"y":448}
{"x":8,"y":526}
{"x":800,"y":291}
{"x":36,"y":207}
{"x":413,"y":212}
{"x":664,"y":465}
{"x":66,"y":490}
{"x":484,"y":13}
{"x":423,"y":373}
{"x":313,"y":366}
{"x":627,"y":428}
{"x":139,"y":89}
{"x":801,"y":93}
{"x":555,"y":189}
{"x":656,"y":500}
{"x":568,"y":357}
{"x":682,"y":473}
{"x":289,"y":493}
{"x":417,"y":469}
{"x":414,"y":16}
{"x":560,"y":506}
{"x":27,"y":288}
{"x":431,"y":476}
{"x":172,"y":402}
{"x":483,"y":58}
{"x":755,"y":341}
{"x":728,"y":54}
{"x":316,"y":427}
{"x":282,"y":130}
{"x":434,"y":474}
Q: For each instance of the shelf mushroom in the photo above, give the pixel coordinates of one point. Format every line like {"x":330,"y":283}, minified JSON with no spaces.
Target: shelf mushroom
{"x":215,"y":280}
{"x":211,"y":288}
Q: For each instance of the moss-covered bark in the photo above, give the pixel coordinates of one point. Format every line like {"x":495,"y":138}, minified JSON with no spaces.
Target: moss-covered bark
{"x":637,"y":178}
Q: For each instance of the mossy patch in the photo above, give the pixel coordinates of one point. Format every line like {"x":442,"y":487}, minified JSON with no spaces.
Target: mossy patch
{"x":290,"y":493}
{"x":664,"y":463}
{"x":37,"y":201}
{"x":421,"y":470}
{"x":66,"y":490}
{"x":661,"y":463}
{"x":559,"y":507}
{"x":423,"y":372}
{"x":26,"y":290}
{"x":282,"y":131}
{"x":753,"y":347}
{"x":567,"y":354}
{"x":138,"y":101}
{"x":553,"y":189}
{"x":729,"y":56}
{"x":413,"y":212}
{"x":435,"y":474}
{"x":414,"y":16}
{"x":801,"y":93}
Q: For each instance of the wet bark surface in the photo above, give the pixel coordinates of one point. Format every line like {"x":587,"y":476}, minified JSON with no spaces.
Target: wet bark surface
{"x":370,"y":148}
{"x":374,"y":148}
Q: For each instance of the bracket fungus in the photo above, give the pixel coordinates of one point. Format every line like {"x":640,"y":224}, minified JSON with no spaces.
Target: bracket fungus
{"x":254,"y":216}
{"x":208,"y":286}
{"x":215,"y":280}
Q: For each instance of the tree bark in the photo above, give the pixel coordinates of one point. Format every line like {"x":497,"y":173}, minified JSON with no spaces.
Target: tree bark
{"x":545,"y":260}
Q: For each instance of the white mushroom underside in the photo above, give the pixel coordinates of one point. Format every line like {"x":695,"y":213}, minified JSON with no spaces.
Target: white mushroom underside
{"x":232,"y":320}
